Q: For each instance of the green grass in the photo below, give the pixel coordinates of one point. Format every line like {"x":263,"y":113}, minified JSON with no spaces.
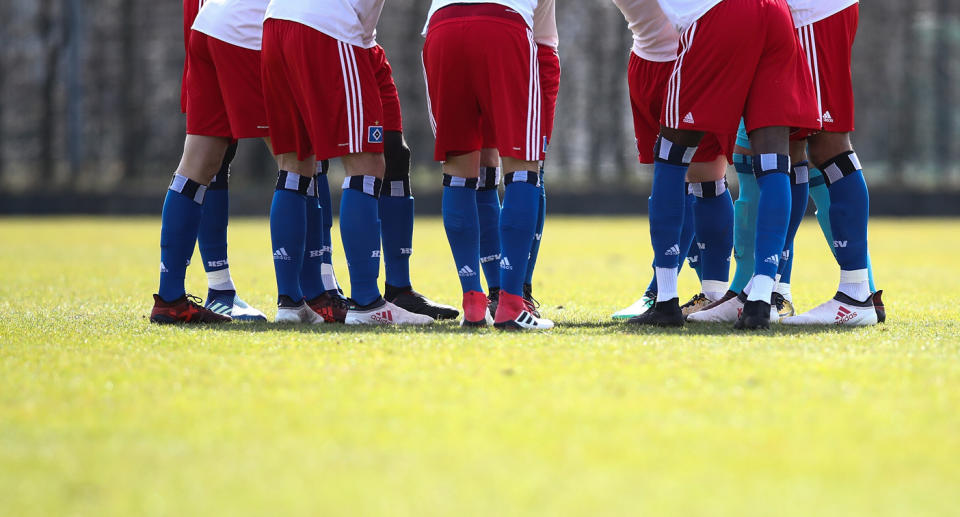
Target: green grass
{"x":103,"y":414}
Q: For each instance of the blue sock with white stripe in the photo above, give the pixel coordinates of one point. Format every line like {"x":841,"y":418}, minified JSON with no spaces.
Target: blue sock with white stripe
{"x":849,"y":215}
{"x":288,"y":231}
{"x":180,"y":222}
{"x":326,"y":208}
{"x":311,"y":275}
{"x":461,"y":223}
{"x":518,"y":222}
{"x":538,"y":233}
{"x":773,"y":177}
{"x":212,"y":237}
{"x":396,"y":228}
{"x":800,"y":194}
{"x":488,"y":215}
{"x":667,"y":208}
{"x":744,"y":222}
{"x":713,"y":215}
{"x":360,"y":234}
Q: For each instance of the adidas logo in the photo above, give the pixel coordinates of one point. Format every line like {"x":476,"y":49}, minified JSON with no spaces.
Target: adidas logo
{"x":505,"y":264}
{"x":406,"y":251}
{"x":466,"y":271}
{"x":772,"y":259}
{"x":827,"y":117}
{"x":489,"y":258}
{"x":220,"y":308}
{"x":844,"y":315}
{"x":674,"y":251}
{"x":375,"y":254}
{"x":688,"y":119}
{"x":840,"y":244}
{"x":163,"y":269}
{"x":383,"y":316}
{"x":281,"y":254}
{"x":785,"y":254}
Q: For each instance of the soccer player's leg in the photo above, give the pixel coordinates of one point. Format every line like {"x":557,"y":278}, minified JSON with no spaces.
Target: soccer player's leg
{"x":208,"y":135}
{"x":549,"y":67}
{"x":647,"y":81}
{"x":744,"y":212}
{"x":488,"y":215}
{"x":713,"y":219}
{"x":829,"y":43}
{"x":799,"y":193}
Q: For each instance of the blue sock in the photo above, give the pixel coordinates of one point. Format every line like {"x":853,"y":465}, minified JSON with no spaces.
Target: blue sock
{"x":538,"y":233}
{"x":288,"y":231}
{"x":488,"y":215}
{"x":745,"y":222}
{"x":667,"y":208}
{"x":518,"y":222}
{"x":773,"y":177}
{"x":360,"y":234}
{"x":326,"y":208}
{"x":462,"y":225}
{"x":180,"y":222}
{"x":849,"y":210}
{"x":688,"y":236}
{"x":311,"y":275}
{"x":713,"y":216}
{"x":212,"y":237}
{"x":800,"y":194}
{"x":396,"y":229}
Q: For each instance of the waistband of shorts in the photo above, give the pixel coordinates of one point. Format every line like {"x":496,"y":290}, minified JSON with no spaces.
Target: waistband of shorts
{"x":487,"y":10}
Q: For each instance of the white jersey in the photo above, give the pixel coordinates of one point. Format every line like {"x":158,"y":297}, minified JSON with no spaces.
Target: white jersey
{"x":237,"y":22}
{"x":350,"y":21}
{"x":806,"y":12}
{"x":545,"y":24}
{"x":523,"y":7}
{"x":654,"y":37}
{"x":682,"y":13}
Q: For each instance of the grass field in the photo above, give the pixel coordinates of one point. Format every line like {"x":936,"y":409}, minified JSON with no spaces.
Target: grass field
{"x":103,"y":414}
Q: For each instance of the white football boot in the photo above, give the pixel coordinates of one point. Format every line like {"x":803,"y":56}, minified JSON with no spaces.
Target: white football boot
{"x":839,"y":310}
{"x":728,"y":312}
{"x":639,"y":307}
{"x":525,"y":321}
{"x":385,"y":313}
{"x":301,"y":313}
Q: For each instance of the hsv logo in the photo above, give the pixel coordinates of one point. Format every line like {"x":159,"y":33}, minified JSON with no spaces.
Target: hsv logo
{"x":466,"y":271}
{"x":281,"y":254}
{"x":489,"y":258}
{"x":840,"y":244}
{"x":406,"y":251}
{"x":844,"y":315}
{"x":375,"y":254}
{"x":383,"y":316}
{"x":702,"y":245}
{"x":316,"y":253}
{"x":217,"y":263}
{"x":673,"y":251}
{"x":375,"y":134}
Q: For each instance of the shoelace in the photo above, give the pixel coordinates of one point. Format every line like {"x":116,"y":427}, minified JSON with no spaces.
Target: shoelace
{"x":195,"y":300}
{"x":700,"y":297}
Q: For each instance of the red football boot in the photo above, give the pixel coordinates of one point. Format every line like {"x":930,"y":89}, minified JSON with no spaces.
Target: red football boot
{"x":186,"y":309}
{"x":332,"y":308}
{"x":475,"y":311}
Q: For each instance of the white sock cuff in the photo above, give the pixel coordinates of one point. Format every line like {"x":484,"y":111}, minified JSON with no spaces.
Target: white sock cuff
{"x":220,"y":280}
{"x":713,"y":286}
{"x":328,"y":277}
{"x":783,"y":289}
{"x":762,"y":289}
{"x":853,"y":277}
{"x":666,"y":283}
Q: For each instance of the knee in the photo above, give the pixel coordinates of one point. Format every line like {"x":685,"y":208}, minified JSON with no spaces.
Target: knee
{"x":396,"y":156}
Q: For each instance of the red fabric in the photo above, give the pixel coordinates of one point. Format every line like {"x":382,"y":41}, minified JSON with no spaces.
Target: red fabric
{"x":760,"y":74}
{"x":224,"y":96}
{"x":322,"y":95}
{"x":482,"y":81}
{"x":549,"y":61}
{"x":389,"y":98}
{"x":648,"y":87}
{"x":190,"y":10}
{"x":828,"y":45}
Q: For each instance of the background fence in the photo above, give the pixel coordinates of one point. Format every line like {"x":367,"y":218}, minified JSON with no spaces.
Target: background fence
{"x":89,"y":97}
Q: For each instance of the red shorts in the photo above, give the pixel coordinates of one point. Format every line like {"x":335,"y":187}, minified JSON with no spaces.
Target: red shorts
{"x":322,"y":94}
{"x":761,"y":74}
{"x":648,"y":87}
{"x":828,"y":45}
{"x":549,"y":60}
{"x":190,"y":10}
{"x":389,"y":98}
{"x":481,"y":67}
{"x":224,"y":96}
